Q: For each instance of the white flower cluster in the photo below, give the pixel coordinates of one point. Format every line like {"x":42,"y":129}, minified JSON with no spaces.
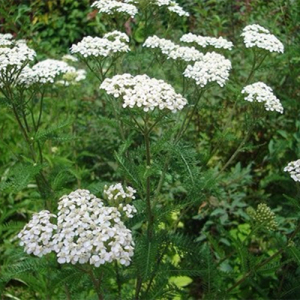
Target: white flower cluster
{"x":212,"y":67}
{"x":43,"y":72}
{"x":117,"y":196}
{"x":5,"y":39}
{"x":166,"y":46}
{"x":110,"y":44}
{"x":172,"y":50}
{"x":185,"y":53}
{"x":172,"y":6}
{"x":86,"y":232}
{"x":36,"y":236}
{"x":294,"y":169}
{"x":205,"y":41}
{"x":113,"y":6}
{"x":256,"y":35}
{"x":14,"y":55}
{"x":72,"y":77}
{"x":260,"y":92}
{"x":143,"y":91}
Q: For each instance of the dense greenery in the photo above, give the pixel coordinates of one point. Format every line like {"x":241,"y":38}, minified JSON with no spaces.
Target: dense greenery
{"x":200,"y":173}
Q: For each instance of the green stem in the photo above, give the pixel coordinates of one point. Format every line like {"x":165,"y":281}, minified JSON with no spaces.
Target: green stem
{"x":148,"y":187}
{"x":138,"y":287}
{"x":237,"y":151}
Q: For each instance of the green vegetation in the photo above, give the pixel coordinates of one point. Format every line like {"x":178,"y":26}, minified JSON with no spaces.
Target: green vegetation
{"x":217,"y":216}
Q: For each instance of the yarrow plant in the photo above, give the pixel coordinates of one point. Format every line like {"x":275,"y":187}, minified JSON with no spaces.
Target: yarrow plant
{"x":293,"y":168}
{"x":112,"y":7}
{"x":172,"y":6}
{"x":205,"y":41}
{"x":143,"y":91}
{"x":120,"y":198}
{"x":178,"y":163}
{"x":110,"y":44}
{"x":213,"y":67}
{"x":257,"y":36}
{"x":86,"y":231}
{"x":44,"y":72}
{"x":172,"y":50}
{"x":14,"y":56}
{"x":260,"y":92}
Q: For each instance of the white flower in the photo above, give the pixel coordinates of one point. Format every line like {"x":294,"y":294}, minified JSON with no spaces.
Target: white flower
{"x":166,"y":46}
{"x":185,"y":53}
{"x":116,"y":35}
{"x":36,"y":235}
{"x":256,"y":35}
{"x":212,"y":67}
{"x":205,"y":41}
{"x":294,"y":169}
{"x":117,"y":193}
{"x":260,"y":92}
{"x":86,"y":231}
{"x":143,"y":91}
{"x":13,"y":58}
{"x":175,"y":8}
{"x":110,"y":44}
{"x":112,"y":6}
{"x":172,"y":50}
{"x":43,"y":72}
{"x":6,"y":39}
{"x":172,"y":6}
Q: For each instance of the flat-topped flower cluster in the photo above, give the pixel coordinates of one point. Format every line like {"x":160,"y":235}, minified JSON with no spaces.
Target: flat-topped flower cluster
{"x":172,"y":50}
{"x":128,"y":7}
{"x":113,"y":6}
{"x":111,"y":43}
{"x":258,"y":36}
{"x":205,"y":41}
{"x":86,"y":230}
{"x":172,"y":6}
{"x":143,"y":91}
{"x":14,"y":56}
{"x":260,"y":92}
{"x":212,"y":67}
{"x":294,"y":169}
{"x":208,"y":67}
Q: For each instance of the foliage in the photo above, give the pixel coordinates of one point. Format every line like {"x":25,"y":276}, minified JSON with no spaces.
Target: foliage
{"x":202,"y":174}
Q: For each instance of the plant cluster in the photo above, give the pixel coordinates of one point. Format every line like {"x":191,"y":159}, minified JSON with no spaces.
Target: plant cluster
{"x":193,"y":124}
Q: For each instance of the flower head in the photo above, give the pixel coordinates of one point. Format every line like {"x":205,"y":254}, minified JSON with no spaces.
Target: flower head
{"x":14,"y":56}
{"x":119,"y":197}
{"x":294,"y":169}
{"x":6,"y":39}
{"x":143,"y":91}
{"x":263,"y":215}
{"x":172,"y":6}
{"x":111,"y":43}
{"x":87,"y":231}
{"x":211,"y":67}
{"x":112,"y":6}
{"x":205,"y":41}
{"x":37,"y":234}
{"x":166,"y":46}
{"x":257,"y":36}
{"x":260,"y":92}
{"x":172,"y":50}
{"x":43,"y":72}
